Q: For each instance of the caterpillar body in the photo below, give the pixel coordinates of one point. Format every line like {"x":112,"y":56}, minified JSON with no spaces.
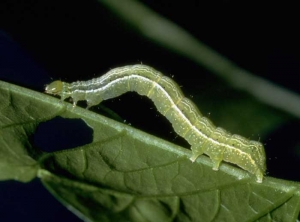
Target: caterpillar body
{"x":186,"y":119}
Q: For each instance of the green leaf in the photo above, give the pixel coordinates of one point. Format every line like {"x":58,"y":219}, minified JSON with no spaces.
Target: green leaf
{"x":125,"y":174}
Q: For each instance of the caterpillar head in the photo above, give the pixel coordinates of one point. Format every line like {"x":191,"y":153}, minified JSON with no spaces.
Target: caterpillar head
{"x":58,"y":88}
{"x":54,"y":88}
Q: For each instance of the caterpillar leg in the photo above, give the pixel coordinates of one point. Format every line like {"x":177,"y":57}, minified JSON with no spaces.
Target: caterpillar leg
{"x":75,"y":101}
{"x":215,"y":153}
{"x":216,"y":163}
{"x":74,"y":104}
{"x":77,"y":96}
{"x":214,"y":149}
{"x":93,"y":102}
{"x":259,"y":176}
{"x":196,"y":152}
{"x":89,"y":105}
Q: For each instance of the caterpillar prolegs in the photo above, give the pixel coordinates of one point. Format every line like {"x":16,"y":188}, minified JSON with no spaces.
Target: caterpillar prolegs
{"x":186,"y":119}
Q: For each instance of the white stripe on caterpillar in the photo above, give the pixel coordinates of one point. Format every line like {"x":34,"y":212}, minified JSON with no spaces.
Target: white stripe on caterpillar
{"x":186,"y":119}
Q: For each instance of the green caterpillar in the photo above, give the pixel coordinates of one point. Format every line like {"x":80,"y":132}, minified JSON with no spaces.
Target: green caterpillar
{"x":186,"y":119}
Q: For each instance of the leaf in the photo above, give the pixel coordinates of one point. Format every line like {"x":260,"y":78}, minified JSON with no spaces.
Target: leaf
{"x":127,"y":175}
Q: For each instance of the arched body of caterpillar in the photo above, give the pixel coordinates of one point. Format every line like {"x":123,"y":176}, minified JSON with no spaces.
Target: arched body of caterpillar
{"x":186,"y":119}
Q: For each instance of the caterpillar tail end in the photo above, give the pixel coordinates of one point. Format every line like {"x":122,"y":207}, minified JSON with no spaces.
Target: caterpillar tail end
{"x":259,"y":177}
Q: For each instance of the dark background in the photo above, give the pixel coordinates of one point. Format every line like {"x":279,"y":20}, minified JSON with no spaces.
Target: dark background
{"x":72,"y":40}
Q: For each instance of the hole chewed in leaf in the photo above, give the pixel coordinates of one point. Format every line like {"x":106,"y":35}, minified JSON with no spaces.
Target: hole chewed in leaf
{"x":59,"y":134}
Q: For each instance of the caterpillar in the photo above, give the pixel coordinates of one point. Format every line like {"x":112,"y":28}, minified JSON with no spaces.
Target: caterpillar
{"x":186,"y":119}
